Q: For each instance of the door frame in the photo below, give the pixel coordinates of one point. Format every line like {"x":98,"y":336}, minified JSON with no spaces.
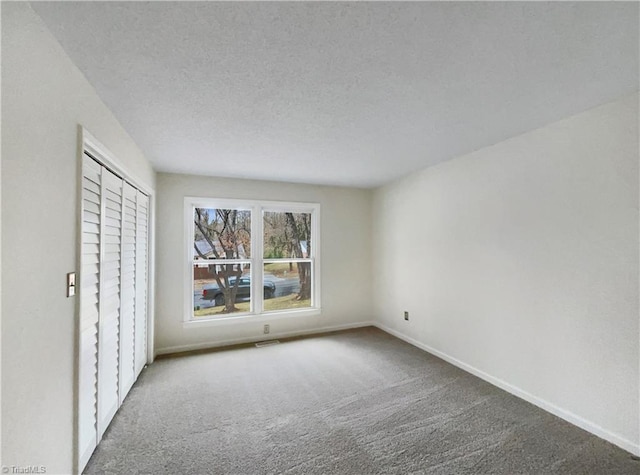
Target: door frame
{"x":88,"y":143}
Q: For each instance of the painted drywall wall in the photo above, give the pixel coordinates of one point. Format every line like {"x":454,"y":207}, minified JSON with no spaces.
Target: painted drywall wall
{"x":345,"y":259}
{"x":44,"y":98}
{"x":519,"y":262}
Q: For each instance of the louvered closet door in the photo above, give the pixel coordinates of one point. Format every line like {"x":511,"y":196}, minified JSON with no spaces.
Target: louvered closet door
{"x":128,"y":295}
{"x":89,"y":308}
{"x":113,"y":293}
{"x":109,"y":328}
{"x":142,"y":253}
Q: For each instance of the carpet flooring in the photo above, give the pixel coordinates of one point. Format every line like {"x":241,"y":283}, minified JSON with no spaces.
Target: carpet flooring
{"x":354,"y":402}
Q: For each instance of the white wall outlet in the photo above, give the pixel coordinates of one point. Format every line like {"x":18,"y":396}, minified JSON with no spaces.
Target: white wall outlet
{"x":266,"y":329}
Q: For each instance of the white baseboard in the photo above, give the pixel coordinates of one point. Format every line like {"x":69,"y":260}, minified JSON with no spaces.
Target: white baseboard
{"x":271,"y":336}
{"x":568,"y":416}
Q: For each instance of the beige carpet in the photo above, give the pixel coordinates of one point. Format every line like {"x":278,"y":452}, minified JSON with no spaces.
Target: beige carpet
{"x":356,"y":402}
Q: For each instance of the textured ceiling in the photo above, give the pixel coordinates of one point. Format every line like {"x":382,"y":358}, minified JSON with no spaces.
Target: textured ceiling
{"x":352,"y":94}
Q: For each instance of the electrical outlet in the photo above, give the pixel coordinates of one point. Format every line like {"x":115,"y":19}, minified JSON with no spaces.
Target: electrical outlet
{"x":406,"y":315}
{"x":266,"y":329}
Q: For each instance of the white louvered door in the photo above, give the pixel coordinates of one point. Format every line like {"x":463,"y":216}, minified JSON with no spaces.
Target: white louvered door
{"x":89,"y":308}
{"x":109,"y":328}
{"x":141,"y":282}
{"x":129,"y":289}
{"x":113,"y":299}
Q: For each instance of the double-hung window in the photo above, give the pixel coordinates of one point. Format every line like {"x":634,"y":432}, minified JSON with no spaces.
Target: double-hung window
{"x":251,"y":257}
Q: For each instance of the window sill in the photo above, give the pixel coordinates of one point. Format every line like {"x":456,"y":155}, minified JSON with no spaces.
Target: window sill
{"x":247,"y":318}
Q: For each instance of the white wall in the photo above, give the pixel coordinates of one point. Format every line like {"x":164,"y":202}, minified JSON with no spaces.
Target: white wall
{"x":520,"y":262}
{"x":44,"y":98}
{"x":344,"y":244}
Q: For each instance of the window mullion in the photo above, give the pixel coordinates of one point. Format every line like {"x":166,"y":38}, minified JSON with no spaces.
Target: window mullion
{"x":256,"y":255}
{"x":206,"y":262}
{"x":275,"y":261}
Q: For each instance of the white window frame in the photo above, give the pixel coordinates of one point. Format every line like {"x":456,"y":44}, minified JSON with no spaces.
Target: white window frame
{"x":257,"y":207}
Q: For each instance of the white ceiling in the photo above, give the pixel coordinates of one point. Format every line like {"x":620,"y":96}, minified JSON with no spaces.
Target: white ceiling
{"x":353,"y":94}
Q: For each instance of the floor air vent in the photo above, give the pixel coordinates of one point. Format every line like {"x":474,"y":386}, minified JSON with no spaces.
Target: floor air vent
{"x":262,"y":344}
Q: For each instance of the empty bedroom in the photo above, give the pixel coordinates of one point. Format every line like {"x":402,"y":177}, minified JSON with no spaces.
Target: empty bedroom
{"x":320,"y":237}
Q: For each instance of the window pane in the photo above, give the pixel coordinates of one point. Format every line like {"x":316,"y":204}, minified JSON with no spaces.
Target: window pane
{"x":287,"y":235}
{"x":221,"y":233}
{"x":220,"y":289}
{"x":287,"y":285}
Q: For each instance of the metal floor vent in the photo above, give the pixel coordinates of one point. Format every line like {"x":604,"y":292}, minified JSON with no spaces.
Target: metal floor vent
{"x":262,"y":344}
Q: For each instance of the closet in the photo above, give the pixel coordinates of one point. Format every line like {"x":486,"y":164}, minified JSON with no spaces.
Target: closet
{"x":113,"y":298}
